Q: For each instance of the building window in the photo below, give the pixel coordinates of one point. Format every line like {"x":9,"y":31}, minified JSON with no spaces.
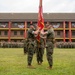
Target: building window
{"x":21,"y":32}
{"x":0,"y":32}
{"x":15,"y":32}
{"x":58,"y":32}
{"x":73,"y":24}
{"x":66,"y":33}
{"x":73,"y":33}
{"x":28,"y":24}
{"x":15,"y":24}
{"x":67,"y":25}
{"x":5,"y":32}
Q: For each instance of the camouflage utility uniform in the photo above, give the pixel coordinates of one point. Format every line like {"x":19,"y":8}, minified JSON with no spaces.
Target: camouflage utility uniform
{"x":31,"y":45}
{"x":50,"y":46}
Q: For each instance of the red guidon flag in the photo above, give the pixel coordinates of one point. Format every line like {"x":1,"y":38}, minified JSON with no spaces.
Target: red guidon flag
{"x":40,"y":19}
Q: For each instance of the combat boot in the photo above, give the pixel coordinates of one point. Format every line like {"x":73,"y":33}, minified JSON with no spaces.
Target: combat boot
{"x":31,"y":67}
{"x":49,"y":68}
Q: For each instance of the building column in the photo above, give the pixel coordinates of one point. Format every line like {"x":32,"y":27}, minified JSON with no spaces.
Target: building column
{"x":25,"y":27}
{"x":9,"y":31}
{"x":64,"y":31}
{"x":70,"y":33}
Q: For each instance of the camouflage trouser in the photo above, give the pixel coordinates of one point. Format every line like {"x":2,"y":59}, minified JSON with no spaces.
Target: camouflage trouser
{"x":25,"y":50}
{"x":49,"y":52}
{"x":30,"y":52}
{"x":39,"y":54}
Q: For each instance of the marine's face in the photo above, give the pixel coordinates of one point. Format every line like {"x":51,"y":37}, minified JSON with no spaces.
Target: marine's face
{"x":48,"y":27}
{"x":32,"y":27}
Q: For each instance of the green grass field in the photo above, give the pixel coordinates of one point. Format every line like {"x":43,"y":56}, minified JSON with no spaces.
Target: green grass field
{"x":14,"y":62}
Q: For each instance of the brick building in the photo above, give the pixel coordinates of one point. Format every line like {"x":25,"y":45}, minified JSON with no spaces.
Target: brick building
{"x":13,"y":26}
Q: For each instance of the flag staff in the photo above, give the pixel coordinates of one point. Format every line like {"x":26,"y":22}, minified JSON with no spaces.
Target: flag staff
{"x":40,"y":3}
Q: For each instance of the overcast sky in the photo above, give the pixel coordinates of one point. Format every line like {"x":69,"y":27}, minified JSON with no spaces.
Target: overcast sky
{"x":31,"y":6}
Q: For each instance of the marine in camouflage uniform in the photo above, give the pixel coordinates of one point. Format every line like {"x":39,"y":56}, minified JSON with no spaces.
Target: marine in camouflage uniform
{"x":31,"y":45}
{"x":50,"y":39}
